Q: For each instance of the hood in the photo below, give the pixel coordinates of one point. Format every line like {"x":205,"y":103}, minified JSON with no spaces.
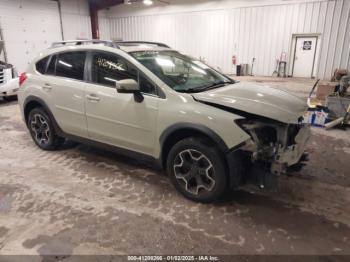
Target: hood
{"x":256,"y":99}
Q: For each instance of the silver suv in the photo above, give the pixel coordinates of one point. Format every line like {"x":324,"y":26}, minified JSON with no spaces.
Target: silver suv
{"x":144,"y":99}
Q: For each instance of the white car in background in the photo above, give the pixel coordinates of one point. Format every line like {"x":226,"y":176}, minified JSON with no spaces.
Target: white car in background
{"x":8,"y":91}
{"x":8,"y":79}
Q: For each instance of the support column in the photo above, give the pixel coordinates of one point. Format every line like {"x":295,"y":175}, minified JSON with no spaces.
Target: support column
{"x":94,"y":22}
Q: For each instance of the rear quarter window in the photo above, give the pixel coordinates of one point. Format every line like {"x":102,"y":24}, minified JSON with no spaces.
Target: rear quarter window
{"x":52,"y":66}
{"x":41,"y":65}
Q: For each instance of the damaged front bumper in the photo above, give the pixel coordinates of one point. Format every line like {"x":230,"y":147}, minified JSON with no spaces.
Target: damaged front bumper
{"x":274,"y":147}
{"x":290,"y":155}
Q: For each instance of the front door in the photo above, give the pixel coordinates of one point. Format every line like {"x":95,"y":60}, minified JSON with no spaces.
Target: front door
{"x":304,"y":58}
{"x":116,"y":118}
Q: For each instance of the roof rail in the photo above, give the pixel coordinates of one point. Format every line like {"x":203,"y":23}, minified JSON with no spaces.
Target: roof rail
{"x":140,"y":42}
{"x":82,"y":42}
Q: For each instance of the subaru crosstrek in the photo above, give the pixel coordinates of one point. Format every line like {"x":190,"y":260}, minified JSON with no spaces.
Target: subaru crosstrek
{"x":146,"y":100}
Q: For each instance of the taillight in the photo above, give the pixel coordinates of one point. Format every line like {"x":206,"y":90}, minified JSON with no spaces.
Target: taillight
{"x":22,"y":78}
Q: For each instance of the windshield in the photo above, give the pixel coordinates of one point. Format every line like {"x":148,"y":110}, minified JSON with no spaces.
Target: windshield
{"x":180,"y":72}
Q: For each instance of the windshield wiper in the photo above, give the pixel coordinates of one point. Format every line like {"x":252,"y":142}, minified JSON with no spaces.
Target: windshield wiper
{"x":188,"y":90}
{"x":214,"y":85}
{"x":206,"y":87}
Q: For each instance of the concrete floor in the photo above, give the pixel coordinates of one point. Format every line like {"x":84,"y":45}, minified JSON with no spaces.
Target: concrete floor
{"x":80,"y":200}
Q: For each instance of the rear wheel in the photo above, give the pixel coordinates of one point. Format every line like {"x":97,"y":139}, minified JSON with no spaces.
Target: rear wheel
{"x":197,"y":170}
{"x":42,"y":130}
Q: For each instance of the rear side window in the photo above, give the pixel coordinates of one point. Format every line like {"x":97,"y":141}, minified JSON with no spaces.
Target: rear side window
{"x":52,"y":66}
{"x":71,"y":65}
{"x":109,"y":68}
{"x":42,"y":65}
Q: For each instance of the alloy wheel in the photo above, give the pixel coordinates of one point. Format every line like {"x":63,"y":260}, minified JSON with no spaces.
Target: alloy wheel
{"x":40,"y":129}
{"x":194,"y":171}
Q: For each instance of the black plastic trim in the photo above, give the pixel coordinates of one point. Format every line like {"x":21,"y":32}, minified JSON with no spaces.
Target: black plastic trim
{"x":233,"y":153}
{"x":30,"y":99}
{"x":88,"y":66}
{"x":198,"y":127}
{"x":118,"y":150}
{"x":189,"y":126}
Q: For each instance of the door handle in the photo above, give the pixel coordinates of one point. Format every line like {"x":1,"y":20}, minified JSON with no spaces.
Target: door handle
{"x":93,"y":98}
{"x":47,"y":87}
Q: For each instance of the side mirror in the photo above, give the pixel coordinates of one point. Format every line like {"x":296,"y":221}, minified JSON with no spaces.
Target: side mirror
{"x":130,"y":86}
{"x":127,"y":86}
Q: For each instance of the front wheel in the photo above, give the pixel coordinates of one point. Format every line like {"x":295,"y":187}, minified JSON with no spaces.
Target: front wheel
{"x":197,"y":170}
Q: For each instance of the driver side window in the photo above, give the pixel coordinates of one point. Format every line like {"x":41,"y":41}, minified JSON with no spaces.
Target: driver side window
{"x":107,"y":68}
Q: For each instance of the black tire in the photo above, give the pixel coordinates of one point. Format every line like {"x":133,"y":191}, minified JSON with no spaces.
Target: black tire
{"x":39,"y":123}
{"x":10,"y":98}
{"x":181,"y":167}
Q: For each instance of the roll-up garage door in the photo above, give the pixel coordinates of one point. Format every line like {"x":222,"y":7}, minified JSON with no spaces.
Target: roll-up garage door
{"x":28,"y":26}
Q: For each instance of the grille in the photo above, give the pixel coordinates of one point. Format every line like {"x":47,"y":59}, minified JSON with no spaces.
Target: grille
{"x":2,"y":76}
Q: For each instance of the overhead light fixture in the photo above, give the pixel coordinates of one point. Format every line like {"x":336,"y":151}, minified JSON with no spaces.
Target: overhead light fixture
{"x":147,"y":2}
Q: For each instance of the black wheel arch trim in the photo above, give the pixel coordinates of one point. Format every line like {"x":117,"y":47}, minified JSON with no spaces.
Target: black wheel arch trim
{"x":197,"y":127}
{"x":42,"y":103}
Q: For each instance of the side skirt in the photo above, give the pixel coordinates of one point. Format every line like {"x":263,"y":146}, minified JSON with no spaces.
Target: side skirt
{"x":156,"y":163}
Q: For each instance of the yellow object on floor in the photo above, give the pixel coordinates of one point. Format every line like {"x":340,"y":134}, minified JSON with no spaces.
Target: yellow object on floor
{"x":314,"y":102}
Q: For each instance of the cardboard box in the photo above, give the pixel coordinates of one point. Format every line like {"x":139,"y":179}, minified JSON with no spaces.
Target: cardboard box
{"x":316,"y":116}
{"x":324,"y":90}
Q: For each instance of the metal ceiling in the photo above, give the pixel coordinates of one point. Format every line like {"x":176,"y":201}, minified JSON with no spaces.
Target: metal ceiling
{"x":101,"y":4}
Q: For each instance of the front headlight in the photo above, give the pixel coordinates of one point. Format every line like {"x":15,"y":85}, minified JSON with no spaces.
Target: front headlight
{"x":261,"y":133}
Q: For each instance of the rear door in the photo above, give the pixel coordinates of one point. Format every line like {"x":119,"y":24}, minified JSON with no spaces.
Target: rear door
{"x":64,"y":81}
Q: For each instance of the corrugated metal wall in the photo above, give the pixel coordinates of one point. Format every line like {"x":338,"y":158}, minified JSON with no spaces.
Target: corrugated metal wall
{"x":263,"y":32}
{"x":75,"y":19}
{"x":104,"y":25}
{"x":30,"y":26}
